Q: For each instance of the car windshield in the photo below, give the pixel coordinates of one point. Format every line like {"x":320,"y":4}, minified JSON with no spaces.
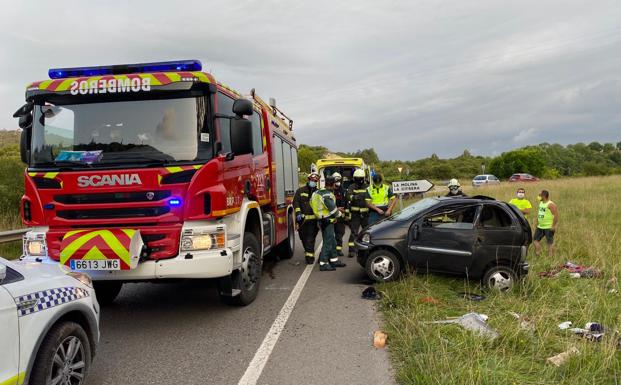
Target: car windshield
{"x":120,"y":132}
{"x":480,"y":177}
{"x":413,"y":209}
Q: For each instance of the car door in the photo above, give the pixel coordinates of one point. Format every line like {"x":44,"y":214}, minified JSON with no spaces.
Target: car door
{"x":443,"y":240}
{"x":9,"y":332}
{"x":497,"y":235}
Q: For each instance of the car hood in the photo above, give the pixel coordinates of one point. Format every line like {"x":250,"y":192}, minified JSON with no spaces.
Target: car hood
{"x":39,"y":276}
{"x":388,"y":229}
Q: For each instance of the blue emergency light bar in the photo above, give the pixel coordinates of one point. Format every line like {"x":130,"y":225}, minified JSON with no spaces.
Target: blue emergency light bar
{"x":120,"y":69}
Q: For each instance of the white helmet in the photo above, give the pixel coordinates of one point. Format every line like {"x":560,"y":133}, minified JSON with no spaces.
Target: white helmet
{"x":337,"y":177}
{"x":359,"y":173}
{"x":453,"y":182}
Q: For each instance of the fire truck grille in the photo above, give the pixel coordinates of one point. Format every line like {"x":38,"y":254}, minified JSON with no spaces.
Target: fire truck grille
{"x":133,"y":212}
{"x":124,"y":197}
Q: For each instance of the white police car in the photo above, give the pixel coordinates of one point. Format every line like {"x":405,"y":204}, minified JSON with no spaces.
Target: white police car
{"x":49,"y":324}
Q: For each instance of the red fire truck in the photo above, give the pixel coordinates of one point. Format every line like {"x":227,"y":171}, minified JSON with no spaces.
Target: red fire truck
{"x":155,"y":171}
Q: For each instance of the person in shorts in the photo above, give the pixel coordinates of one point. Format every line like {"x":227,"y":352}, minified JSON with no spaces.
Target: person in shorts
{"x":546,"y":222}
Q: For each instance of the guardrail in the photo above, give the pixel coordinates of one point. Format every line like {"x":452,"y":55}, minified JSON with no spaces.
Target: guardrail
{"x":12,"y":235}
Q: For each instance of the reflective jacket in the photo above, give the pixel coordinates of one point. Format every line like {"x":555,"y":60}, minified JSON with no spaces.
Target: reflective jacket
{"x":380,"y":196}
{"x":323,"y":203}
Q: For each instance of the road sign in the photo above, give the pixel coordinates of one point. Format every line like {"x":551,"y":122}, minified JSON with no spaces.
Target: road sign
{"x":400,"y":169}
{"x":411,"y":186}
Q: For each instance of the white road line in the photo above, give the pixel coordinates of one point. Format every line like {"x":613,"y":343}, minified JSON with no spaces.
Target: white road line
{"x":254,"y":370}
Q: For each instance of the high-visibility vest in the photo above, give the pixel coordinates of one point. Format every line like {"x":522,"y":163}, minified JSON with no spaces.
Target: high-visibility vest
{"x":379,"y":195}
{"x":545,"y":218}
{"x":320,"y":209}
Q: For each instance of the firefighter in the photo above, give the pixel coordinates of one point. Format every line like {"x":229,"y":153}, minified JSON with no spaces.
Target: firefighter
{"x":324,"y":207}
{"x":357,"y":209}
{"x":305,"y":218}
{"x":341,"y":203}
{"x":382,"y":200}
{"x":454,"y":189}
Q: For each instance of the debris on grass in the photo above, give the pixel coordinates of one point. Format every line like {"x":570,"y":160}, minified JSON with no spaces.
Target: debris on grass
{"x":370,"y":293}
{"x":429,"y":300}
{"x":561,"y":358}
{"x":379,"y":339}
{"x":592,"y":331}
{"x":575,"y":271}
{"x":525,"y":322}
{"x":471,"y":296}
{"x":565,"y":325}
{"x":474,"y":322}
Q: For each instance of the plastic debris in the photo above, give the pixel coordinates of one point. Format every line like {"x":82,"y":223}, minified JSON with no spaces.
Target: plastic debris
{"x":525,"y":322}
{"x":561,"y":358}
{"x":592,"y":331}
{"x":379,"y":339}
{"x":472,"y":321}
{"x":370,"y":293}
{"x":471,"y":296}
{"x":565,"y":325}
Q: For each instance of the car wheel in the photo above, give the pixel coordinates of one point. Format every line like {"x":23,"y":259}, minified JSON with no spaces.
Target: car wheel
{"x":107,"y":291}
{"x":501,"y":278}
{"x":246,"y":280}
{"x":287,"y":248}
{"x":64,"y":356}
{"x":383,"y":266}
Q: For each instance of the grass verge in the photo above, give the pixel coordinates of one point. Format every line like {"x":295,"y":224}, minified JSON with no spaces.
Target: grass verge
{"x":589,"y":233}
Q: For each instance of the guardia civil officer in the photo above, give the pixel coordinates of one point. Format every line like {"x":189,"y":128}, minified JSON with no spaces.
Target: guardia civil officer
{"x":382,"y":200}
{"x":324,"y":207}
{"x":305,"y":218}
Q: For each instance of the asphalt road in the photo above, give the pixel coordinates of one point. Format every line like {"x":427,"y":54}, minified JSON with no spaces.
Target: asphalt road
{"x":179,"y":333}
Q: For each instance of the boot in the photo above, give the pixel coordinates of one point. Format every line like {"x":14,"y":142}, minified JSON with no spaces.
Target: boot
{"x":326,"y":267}
{"x":338,"y":263}
{"x":310,"y":260}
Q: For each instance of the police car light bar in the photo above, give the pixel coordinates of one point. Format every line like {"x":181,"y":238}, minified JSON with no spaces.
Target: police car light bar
{"x":119,"y":69}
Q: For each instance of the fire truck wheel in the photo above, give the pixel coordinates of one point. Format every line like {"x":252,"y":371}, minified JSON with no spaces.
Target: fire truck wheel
{"x":107,"y":291}
{"x":248,"y":277}
{"x":287,"y":247}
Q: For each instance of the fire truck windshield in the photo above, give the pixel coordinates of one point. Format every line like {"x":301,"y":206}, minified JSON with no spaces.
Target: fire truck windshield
{"x":138,"y":132}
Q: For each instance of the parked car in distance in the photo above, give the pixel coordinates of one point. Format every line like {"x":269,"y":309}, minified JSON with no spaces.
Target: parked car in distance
{"x":521,"y":177}
{"x":484,"y":179}
{"x":49,"y":321}
{"x":477,"y":237}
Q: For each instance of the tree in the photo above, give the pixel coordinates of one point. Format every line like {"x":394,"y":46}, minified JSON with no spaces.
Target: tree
{"x":596,"y":146}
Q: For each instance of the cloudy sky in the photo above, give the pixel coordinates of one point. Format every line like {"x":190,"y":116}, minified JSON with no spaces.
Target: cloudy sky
{"x":409,"y":78}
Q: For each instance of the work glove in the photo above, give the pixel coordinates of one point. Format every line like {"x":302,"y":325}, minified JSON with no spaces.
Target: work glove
{"x":299,"y":218}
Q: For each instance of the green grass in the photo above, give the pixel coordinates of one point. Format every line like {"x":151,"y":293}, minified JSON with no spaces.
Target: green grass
{"x":589,"y":233}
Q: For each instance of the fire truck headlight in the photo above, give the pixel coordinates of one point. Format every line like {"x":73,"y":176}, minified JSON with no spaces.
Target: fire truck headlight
{"x":35,"y":247}
{"x":203,"y":241}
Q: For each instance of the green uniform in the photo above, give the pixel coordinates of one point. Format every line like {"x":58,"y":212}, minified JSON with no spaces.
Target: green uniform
{"x":324,"y":207}
{"x":521,"y":204}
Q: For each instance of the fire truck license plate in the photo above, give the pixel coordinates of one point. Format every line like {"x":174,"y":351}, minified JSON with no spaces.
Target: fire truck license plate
{"x":101,"y":264}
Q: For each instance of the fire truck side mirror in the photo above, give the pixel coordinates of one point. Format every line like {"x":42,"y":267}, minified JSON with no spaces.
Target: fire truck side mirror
{"x":241,"y":136}
{"x":24,"y":145}
{"x":242,"y":107}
